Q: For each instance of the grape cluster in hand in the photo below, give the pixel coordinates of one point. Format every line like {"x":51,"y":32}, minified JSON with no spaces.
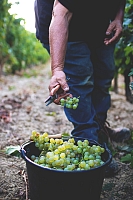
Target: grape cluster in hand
{"x":70,"y":102}
{"x":66,"y":155}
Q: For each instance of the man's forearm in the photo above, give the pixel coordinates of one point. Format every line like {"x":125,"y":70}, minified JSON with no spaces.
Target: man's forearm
{"x":58,"y":36}
{"x":120,"y":12}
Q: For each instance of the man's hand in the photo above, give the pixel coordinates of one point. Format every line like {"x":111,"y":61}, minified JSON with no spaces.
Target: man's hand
{"x":115,"y":29}
{"x":58,"y":85}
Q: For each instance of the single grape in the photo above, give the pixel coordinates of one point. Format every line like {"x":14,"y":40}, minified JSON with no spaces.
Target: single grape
{"x":37,"y":144}
{"x":62,"y":100}
{"x":42,"y":159}
{"x":86,"y":157}
{"x":62,"y":155}
{"x":33,"y":157}
{"x":75,"y":106}
{"x":82,"y":164}
{"x":52,"y":140}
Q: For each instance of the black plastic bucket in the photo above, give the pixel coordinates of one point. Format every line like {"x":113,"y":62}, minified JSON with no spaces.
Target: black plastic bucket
{"x":50,"y":184}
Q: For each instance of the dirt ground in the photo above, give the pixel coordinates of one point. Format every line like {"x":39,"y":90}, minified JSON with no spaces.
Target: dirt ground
{"x":22,"y":109}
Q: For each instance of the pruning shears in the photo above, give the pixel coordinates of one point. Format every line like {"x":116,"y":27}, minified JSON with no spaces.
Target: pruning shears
{"x":51,"y":99}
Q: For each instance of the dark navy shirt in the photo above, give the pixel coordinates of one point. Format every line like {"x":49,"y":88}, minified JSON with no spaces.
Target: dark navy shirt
{"x":89,"y":22}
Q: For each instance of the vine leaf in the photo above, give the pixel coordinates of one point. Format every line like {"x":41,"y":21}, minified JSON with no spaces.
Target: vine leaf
{"x":13,"y":151}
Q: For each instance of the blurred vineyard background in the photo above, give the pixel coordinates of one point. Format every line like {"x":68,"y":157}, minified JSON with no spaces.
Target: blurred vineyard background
{"x":19,"y":48}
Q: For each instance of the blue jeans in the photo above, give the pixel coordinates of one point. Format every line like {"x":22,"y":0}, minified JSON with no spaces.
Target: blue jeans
{"x":90,"y":72}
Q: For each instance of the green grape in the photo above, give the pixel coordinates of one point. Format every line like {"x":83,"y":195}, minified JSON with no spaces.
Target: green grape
{"x":74,"y":99}
{"x":79,"y":143}
{"x":41,"y":146}
{"x":77,"y":100}
{"x":62,"y":155}
{"x":102,"y":150}
{"x":68,"y":160}
{"x":41,"y":139}
{"x":52,"y":140}
{"x":68,"y":98}
{"x":101,"y":163}
{"x":86,"y":141}
{"x":85,"y":144}
{"x":57,"y":141}
{"x":33,"y":157}
{"x":86,"y":153}
{"x":75,"y":161}
{"x":45,"y":134}
{"x":91,"y":157}
{"x":62,"y":100}
{"x":46,"y":139}
{"x":36,"y":160}
{"x":51,"y":160}
{"x":65,"y":169}
{"x":75,"y":106}
{"x":86,"y":157}
{"x":42,"y":159}
{"x":62,"y":104}
{"x":49,"y":154}
{"x":69,"y":167}
{"x":72,"y":155}
{"x":51,"y":146}
{"x":46,"y":145}
{"x":79,"y":150}
{"x":56,"y":151}
{"x":97,"y":161}
{"x":56,"y":157}
{"x":78,"y":169}
{"x":69,"y":106}
{"x":97,"y":149}
{"x":91,"y":163}
{"x":60,"y":141}
{"x":84,"y":150}
{"x":82,"y":164}
{"x":98,"y":157}
{"x":71,"y":140}
{"x":87,"y":166}
{"x":36,"y":144}
{"x":70,"y":101}
{"x":75,"y":147}
{"x":32,"y":137}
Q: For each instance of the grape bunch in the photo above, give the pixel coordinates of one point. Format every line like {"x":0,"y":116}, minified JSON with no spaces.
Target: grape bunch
{"x":70,"y":102}
{"x":66,"y":155}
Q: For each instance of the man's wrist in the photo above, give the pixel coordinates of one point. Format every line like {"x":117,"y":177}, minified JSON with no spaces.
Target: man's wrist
{"x":57,"y":70}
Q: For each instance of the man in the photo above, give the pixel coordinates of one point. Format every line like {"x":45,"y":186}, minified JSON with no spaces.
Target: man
{"x":80,"y":37}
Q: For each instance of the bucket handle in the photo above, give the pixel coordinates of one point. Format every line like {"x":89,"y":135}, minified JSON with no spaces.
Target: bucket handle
{"x":23,"y":151}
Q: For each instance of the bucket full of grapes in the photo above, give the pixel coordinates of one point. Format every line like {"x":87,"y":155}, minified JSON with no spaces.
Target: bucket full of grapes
{"x":71,"y":168}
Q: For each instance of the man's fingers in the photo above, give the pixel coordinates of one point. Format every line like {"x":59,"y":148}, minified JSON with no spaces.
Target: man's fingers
{"x":65,"y":87}
{"x":55,"y":89}
{"x":57,"y":101}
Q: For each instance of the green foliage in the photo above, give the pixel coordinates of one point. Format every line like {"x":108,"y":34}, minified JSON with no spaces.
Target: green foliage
{"x":131,"y":74}
{"x":4,"y":47}
{"x":124,"y":48}
{"x":19,"y":48}
{"x":131,"y":85}
{"x":128,"y":151}
{"x":13,"y":151}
